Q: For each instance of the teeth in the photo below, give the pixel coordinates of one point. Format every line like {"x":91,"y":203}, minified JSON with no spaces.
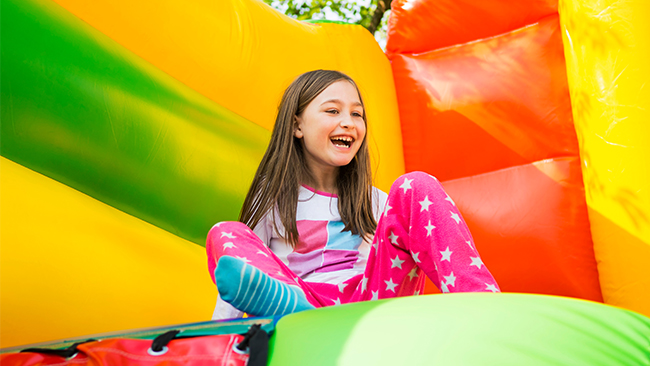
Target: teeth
{"x":342,"y":141}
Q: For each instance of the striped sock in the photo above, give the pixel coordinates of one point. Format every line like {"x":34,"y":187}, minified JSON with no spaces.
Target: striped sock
{"x":254,"y":292}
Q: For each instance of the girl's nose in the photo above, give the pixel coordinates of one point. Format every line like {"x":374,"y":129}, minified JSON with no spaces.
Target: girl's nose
{"x":346,"y":122}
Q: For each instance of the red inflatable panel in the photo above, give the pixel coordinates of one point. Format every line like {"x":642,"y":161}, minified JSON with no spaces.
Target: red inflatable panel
{"x":487,"y":105}
{"x":418,"y":26}
{"x":530,"y":226}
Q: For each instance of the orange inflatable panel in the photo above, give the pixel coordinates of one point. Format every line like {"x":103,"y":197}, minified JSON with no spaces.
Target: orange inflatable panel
{"x":530,"y":226}
{"x":486,"y":105}
{"x":418,"y":26}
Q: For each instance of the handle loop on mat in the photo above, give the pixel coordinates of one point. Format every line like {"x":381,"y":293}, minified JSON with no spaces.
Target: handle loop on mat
{"x":66,"y":353}
{"x":257,"y":342}
{"x":159,"y":344}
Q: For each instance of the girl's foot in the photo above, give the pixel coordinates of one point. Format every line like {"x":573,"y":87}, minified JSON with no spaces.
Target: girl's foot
{"x":254,"y":292}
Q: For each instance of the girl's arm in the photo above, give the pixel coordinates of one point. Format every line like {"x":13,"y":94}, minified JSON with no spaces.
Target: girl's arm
{"x":264,"y":230}
{"x":379,"y":199}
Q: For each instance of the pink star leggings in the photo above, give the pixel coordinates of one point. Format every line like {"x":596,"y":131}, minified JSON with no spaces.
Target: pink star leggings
{"x":420,"y":232}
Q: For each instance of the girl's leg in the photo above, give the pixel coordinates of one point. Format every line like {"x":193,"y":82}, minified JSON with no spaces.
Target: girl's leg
{"x":250,"y":277}
{"x":236,"y":240}
{"x":421,"y":230}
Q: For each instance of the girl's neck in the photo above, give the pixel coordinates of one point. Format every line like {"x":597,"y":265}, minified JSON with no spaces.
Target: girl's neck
{"x":324,"y":181}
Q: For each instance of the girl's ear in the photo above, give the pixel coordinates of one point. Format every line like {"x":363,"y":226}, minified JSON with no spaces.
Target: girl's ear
{"x":297,"y":132}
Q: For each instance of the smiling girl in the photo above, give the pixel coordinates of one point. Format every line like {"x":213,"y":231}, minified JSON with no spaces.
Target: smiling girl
{"x":322,"y":234}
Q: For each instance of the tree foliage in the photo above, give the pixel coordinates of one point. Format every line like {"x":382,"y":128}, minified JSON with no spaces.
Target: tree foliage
{"x":368,"y":13}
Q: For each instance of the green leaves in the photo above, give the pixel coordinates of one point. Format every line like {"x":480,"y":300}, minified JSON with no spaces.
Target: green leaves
{"x":351,"y":11}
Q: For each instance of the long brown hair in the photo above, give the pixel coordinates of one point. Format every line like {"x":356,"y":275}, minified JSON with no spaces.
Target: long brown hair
{"x":283,"y":167}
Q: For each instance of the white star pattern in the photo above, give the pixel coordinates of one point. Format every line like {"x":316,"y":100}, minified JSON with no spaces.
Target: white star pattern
{"x":455,"y":217}
{"x":364,"y":284}
{"x":390,"y":285}
{"x":470,"y":244}
{"x":244,"y":259}
{"x":413,"y":273}
{"x":476,"y":261}
{"x":281,"y":274}
{"x":444,"y":288}
{"x":429,"y":228}
{"x":262,"y":253}
{"x":396,"y":262}
{"x":342,"y":287}
{"x":229,"y":245}
{"x":415,"y":257}
{"x":451,"y":280}
{"x":217,"y":225}
{"x":297,"y":280}
{"x":425,"y":203}
{"x":227,"y":235}
{"x":450,"y":200}
{"x":393,"y":238}
{"x":491,"y":288}
{"x":416,"y":293}
{"x":387,"y":208}
{"x":375,"y":295}
{"x":406,"y":185}
{"x":337,"y":301}
{"x":446,"y":255}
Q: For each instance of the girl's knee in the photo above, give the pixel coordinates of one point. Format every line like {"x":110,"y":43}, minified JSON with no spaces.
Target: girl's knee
{"x":226,"y":229}
{"x":420,"y":176}
{"x":218,"y":235}
{"x":416,"y":179}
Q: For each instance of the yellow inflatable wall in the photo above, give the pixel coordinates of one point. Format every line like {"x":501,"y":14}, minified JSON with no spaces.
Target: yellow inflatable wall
{"x":607,"y":49}
{"x":72,"y":265}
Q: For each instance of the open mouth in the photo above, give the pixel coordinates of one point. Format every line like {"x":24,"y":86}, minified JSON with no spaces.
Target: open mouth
{"x":342,"y":141}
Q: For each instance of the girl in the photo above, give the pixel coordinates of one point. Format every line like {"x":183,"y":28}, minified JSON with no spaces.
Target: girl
{"x":322,"y":235}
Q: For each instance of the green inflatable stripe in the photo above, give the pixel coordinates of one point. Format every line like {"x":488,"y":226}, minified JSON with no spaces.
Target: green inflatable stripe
{"x":464,"y":329}
{"x":81,"y":109}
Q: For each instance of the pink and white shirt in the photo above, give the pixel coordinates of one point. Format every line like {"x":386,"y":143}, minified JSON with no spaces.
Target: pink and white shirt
{"x":325,"y":253}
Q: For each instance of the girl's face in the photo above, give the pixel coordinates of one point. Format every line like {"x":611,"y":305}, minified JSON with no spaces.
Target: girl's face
{"x":332,"y":127}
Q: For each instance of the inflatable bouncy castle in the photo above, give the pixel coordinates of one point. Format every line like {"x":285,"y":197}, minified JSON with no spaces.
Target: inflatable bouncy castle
{"x":130,"y":128}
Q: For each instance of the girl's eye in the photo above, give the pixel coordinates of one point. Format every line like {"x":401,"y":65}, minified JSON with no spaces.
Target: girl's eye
{"x":332,"y":111}
{"x":357,"y":114}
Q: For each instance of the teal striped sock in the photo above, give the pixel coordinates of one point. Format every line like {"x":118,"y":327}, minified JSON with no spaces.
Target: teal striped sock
{"x":254,"y":292}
